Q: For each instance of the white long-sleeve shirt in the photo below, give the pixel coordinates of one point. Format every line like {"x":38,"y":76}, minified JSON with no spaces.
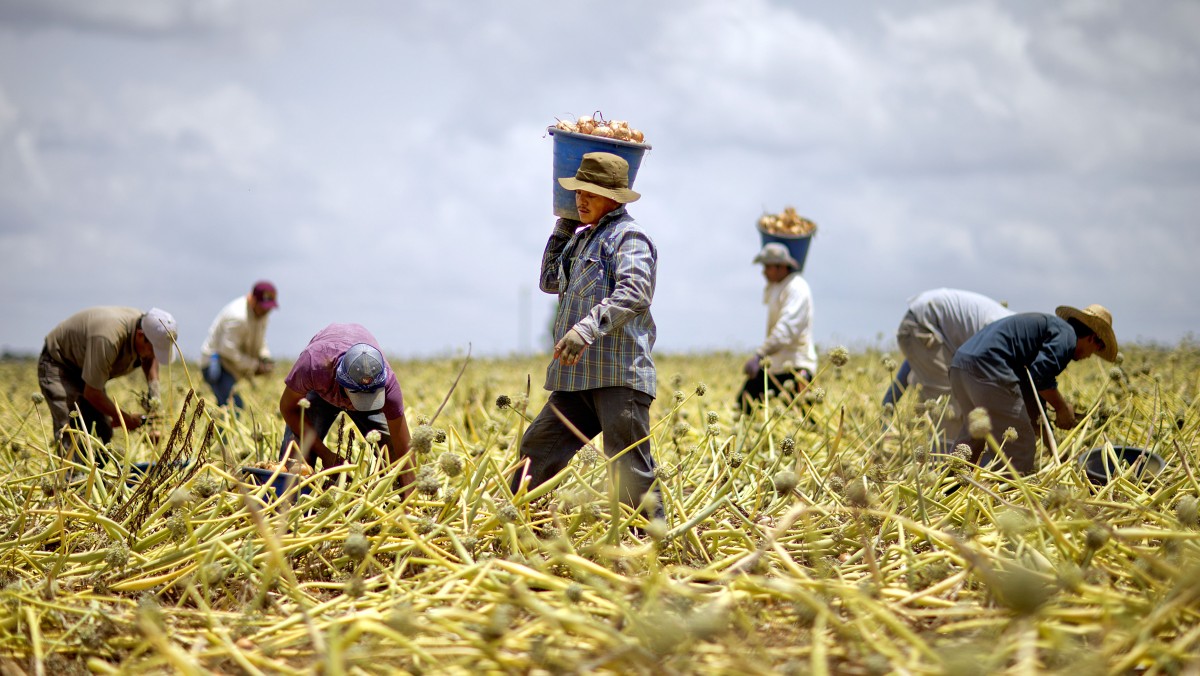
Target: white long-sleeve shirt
{"x":955,"y":315}
{"x":789,"y":341}
{"x":238,"y":337}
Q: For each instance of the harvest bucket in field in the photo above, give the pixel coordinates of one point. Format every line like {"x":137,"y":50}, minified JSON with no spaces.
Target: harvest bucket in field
{"x":797,"y":245}
{"x":569,"y":149}
{"x":1101,"y":464}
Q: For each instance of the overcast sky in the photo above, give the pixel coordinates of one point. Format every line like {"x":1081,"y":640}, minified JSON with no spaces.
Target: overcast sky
{"x":386,"y":162}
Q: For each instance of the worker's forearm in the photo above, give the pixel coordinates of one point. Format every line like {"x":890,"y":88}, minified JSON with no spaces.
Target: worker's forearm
{"x":1054,"y":398}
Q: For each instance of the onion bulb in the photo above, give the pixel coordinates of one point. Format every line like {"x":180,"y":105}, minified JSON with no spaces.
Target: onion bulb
{"x":787,"y":223}
{"x":596,"y":125}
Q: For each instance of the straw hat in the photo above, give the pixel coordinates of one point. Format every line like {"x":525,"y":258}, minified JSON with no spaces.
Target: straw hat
{"x":1098,"y":319}
{"x":603,"y":174}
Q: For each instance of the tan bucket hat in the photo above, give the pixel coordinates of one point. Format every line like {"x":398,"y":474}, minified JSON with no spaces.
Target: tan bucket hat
{"x":1098,"y":319}
{"x":774,"y":253}
{"x":603,"y":174}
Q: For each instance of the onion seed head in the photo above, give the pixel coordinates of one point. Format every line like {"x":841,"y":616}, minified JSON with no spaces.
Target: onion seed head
{"x":450,"y":463}
{"x":839,"y":356}
{"x":785,"y":481}
{"x":1188,"y":511}
{"x":1095,"y":537}
{"x":787,"y":446}
{"x":356,"y":546}
{"x":979,"y":423}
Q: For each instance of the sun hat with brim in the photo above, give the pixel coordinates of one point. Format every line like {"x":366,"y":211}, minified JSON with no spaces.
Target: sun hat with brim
{"x":362,"y":372}
{"x":1099,"y":320}
{"x":160,"y":330}
{"x":603,"y":174}
{"x":775,"y":253}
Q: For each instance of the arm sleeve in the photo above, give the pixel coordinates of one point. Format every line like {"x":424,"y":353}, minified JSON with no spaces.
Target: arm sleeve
{"x":793,"y":319}
{"x":636,"y":265}
{"x":564,"y":229}
{"x":299,"y":379}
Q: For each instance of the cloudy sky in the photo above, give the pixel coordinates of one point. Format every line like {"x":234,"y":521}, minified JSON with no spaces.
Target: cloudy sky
{"x":387,"y":163}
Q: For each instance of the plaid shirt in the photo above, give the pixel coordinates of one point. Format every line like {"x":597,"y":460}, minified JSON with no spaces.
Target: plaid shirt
{"x":604,"y":277}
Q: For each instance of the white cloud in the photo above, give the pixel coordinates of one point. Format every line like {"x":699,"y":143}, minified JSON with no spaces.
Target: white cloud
{"x":227,"y":127}
{"x":1024,"y":151}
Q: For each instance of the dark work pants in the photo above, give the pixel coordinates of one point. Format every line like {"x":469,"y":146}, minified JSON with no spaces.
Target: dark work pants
{"x":1008,"y":405}
{"x":753,"y":390}
{"x":621,"y":413}
{"x":322,"y":414}
{"x":62,"y":386}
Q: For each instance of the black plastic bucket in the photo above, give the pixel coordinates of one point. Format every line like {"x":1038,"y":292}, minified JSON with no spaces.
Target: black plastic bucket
{"x":1099,"y":467}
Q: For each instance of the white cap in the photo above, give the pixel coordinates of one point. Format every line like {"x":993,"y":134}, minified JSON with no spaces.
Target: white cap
{"x":159,"y":327}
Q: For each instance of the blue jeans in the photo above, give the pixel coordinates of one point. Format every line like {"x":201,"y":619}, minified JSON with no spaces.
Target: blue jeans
{"x":221,"y":382}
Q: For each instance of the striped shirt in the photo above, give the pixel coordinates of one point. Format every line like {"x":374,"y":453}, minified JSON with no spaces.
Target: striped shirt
{"x":604,"y":277}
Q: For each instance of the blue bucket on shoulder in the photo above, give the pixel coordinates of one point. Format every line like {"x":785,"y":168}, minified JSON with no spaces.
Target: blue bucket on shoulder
{"x":797,"y":245}
{"x":569,"y":149}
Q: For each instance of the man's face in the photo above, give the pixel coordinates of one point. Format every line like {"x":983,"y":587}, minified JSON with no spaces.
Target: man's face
{"x":776,"y":272}
{"x":1086,"y":347}
{"x":141,"y":345}
{"x":592,"y":207}
{"x":257,"y":308}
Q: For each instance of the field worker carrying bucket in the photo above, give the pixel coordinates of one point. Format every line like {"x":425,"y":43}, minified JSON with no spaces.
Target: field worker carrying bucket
{"x":601,"y":377}
{"x":937,"y":323}
{"x":343,"y":369}
{"x":87,"y":350}
{"x":236,"y":346}
{"x":787,"y":355}
{"x":1009,"y":362}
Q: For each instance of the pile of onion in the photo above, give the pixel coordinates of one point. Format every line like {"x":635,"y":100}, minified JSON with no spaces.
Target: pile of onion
{"x":787,"y":223}
{"x":598,"y":126}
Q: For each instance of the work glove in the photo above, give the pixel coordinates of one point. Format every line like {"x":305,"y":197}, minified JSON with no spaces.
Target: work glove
{"x":569,"y":350}
{"x":213,"y":370}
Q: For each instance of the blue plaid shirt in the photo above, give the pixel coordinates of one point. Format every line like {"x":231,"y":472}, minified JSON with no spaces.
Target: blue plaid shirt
{"x":604,"y":277}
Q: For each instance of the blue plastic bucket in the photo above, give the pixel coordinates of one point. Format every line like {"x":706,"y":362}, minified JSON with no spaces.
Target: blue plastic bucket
{"x":569,"y":149}
{"x":797,"y":245}
{"x":283,"y":480}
